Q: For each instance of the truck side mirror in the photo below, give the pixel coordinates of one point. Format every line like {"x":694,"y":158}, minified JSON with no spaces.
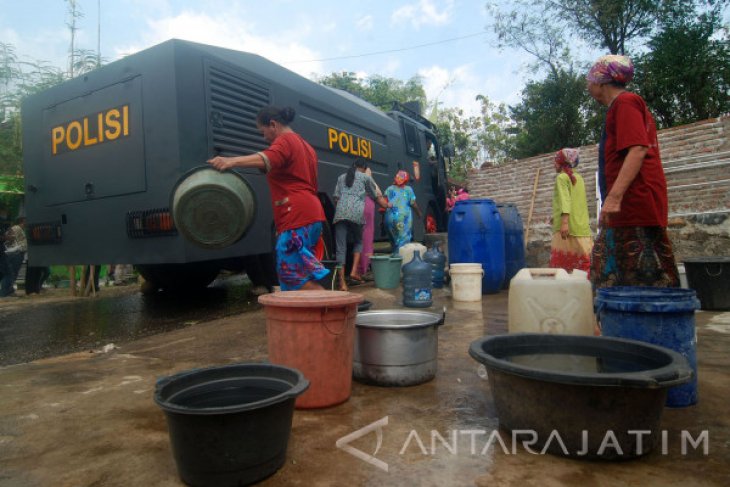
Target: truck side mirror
{"x":448,"y":150}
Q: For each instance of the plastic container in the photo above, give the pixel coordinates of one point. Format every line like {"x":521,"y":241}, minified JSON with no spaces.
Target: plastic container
{"x":229,"y":425}
{"x":442,"y":238}
{"x":437,"y":259}
{"x":466,"y":281}
{"x":476,"y":234}
{"x":417,"y":283}
{"x":662,"y":316}
{"x":313,"y":331}
{"x":406,"y":252}
{"x":550,"y":301}
{"x":395,"y":347}
{"x":710,"y":277}
{"x":514,"y":241}
{"x":617,"y":389}
{"x":386,"y":270}
{"x":213,"y":209}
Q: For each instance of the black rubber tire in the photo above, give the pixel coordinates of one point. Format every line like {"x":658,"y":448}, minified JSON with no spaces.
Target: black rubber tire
{"x":178,"y":278}
{"x":261,"y":270}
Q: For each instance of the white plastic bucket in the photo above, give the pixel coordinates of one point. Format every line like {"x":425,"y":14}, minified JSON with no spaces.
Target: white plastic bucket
{"x":466,"y":282}
{"x":551,"y":301}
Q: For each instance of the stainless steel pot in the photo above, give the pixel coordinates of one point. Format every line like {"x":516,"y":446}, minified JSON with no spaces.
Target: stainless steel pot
{"x":396,"y":347}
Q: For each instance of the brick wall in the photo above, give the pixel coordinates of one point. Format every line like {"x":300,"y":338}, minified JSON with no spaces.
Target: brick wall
{"x":696,"y":162}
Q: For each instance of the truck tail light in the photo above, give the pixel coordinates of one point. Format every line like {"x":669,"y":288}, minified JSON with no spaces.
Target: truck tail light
{"x":45,"y":233}
{"x":150,"y":223}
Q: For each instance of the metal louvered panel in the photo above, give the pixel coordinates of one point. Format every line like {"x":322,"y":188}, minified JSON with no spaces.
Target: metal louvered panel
{"x":233,"y":103}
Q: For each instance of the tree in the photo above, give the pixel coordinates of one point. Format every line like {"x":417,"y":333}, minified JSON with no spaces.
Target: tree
{"x":476,"y":139}
{"x":529,"y":26}
{"x":685,"y":76}
{"x":554,"y":113}
{"x":609,"y":23}
{"x":378,"y":90}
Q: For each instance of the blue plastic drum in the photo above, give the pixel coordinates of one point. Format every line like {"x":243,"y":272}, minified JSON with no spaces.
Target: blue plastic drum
{"x":657,"y":315}
{"x":476,"y":235}
{"x":514,"y":241}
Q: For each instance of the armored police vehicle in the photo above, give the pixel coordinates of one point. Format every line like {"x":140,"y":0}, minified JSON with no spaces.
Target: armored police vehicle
{"x":114,"y":162}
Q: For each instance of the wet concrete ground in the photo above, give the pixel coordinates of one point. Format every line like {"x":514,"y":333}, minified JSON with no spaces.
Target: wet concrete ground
{"x":89,"y":419}
{"x":34,"y":327}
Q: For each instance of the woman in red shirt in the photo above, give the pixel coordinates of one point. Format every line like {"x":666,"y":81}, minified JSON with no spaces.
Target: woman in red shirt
{"x":290,"y":164}
{"x":632,"y":248}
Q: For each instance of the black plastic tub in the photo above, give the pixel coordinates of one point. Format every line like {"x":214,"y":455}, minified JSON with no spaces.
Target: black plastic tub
{"x":710,"y":278}
{"x":581,"y":396}
{"x":229,"y":425}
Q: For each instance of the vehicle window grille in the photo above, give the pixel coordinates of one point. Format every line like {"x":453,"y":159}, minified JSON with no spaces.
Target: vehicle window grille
{"x":413,"y":145}
{"x":233,"y":103}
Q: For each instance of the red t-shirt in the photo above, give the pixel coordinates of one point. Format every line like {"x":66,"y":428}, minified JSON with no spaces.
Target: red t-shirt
{"x":292,"y":177}
{"x":629,"y":123}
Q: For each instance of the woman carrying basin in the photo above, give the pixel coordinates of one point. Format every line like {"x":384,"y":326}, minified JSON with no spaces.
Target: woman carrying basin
{"x":290,"y":164}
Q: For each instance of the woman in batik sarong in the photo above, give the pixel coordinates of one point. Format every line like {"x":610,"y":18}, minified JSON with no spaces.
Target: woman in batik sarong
{"x":632,"y":247}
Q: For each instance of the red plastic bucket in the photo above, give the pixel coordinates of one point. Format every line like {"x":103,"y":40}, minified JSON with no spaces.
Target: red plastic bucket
{"x":313,"y":331}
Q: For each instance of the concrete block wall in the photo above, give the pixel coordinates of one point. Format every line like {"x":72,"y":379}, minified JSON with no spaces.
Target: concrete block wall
{"x":696,"y":160}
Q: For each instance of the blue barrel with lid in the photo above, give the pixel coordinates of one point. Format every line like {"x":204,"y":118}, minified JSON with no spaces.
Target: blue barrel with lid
{"x":659,"y":315}
{"x":514,"y":241}
{"x":476,"y":235}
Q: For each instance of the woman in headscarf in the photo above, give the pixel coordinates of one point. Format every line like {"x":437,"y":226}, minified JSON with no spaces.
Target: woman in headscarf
{"x":632,"y":248}
{"x":290,"y":164}
{"x":398,"y":218}
{"x":572,"y":242}
{"x":350,"y":194}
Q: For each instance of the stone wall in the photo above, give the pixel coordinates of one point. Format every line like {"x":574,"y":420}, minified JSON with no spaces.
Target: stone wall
{"x":696,"y":161}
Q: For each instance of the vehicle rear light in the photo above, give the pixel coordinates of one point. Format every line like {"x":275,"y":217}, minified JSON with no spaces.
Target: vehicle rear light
{"x":150,"y":223}
{"x":45,"y":233}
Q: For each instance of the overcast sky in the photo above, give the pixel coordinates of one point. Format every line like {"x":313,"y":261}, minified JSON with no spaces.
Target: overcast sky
{"x":311,"y":37}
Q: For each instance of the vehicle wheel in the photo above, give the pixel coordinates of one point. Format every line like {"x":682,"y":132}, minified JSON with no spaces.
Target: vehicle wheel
{"x":261,"y":269}
{"x":178,"y":277}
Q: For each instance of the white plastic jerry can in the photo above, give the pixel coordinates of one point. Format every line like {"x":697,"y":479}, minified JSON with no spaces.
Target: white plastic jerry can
{"x":551,"y":301}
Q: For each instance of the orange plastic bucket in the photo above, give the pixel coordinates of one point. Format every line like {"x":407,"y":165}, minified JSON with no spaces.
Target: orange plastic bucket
{"x":313,"y":331}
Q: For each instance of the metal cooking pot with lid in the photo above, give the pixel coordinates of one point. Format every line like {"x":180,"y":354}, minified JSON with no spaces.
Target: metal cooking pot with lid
{"x":396,"y":347}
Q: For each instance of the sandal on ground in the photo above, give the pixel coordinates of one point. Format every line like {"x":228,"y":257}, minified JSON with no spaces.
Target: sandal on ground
{"x":356,"y":278}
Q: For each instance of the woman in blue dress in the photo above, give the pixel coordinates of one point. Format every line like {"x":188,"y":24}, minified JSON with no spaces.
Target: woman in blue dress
{"x":398,"y":217}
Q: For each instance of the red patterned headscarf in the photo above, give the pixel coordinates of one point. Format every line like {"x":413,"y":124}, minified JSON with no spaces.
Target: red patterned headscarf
{"x":611,"y":68}
{"x":401,"y":178}
{"x":568,"y":159}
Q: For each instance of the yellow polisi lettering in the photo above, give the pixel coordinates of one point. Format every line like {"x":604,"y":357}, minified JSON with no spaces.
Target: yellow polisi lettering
{"x":88,"y":140}
{"x":74,"y":132}
{"x":57,"y":136}
{"x":349,"y":143}
{"x":112,"y":121}
{"x":97,"y":128}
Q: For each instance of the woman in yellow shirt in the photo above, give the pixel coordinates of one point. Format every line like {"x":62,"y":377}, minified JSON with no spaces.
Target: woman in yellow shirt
{"x":572,"y":241}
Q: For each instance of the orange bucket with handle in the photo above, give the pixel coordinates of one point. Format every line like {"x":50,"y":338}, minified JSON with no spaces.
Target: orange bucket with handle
{"x":313,"y":331}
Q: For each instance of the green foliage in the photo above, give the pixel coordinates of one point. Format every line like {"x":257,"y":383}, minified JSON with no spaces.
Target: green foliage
{"x":485,"y":138}
{"x":378,"y":90}
{"x":685,"y":76}
{"x":554,"y":113}
{"x":609,"y":23}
